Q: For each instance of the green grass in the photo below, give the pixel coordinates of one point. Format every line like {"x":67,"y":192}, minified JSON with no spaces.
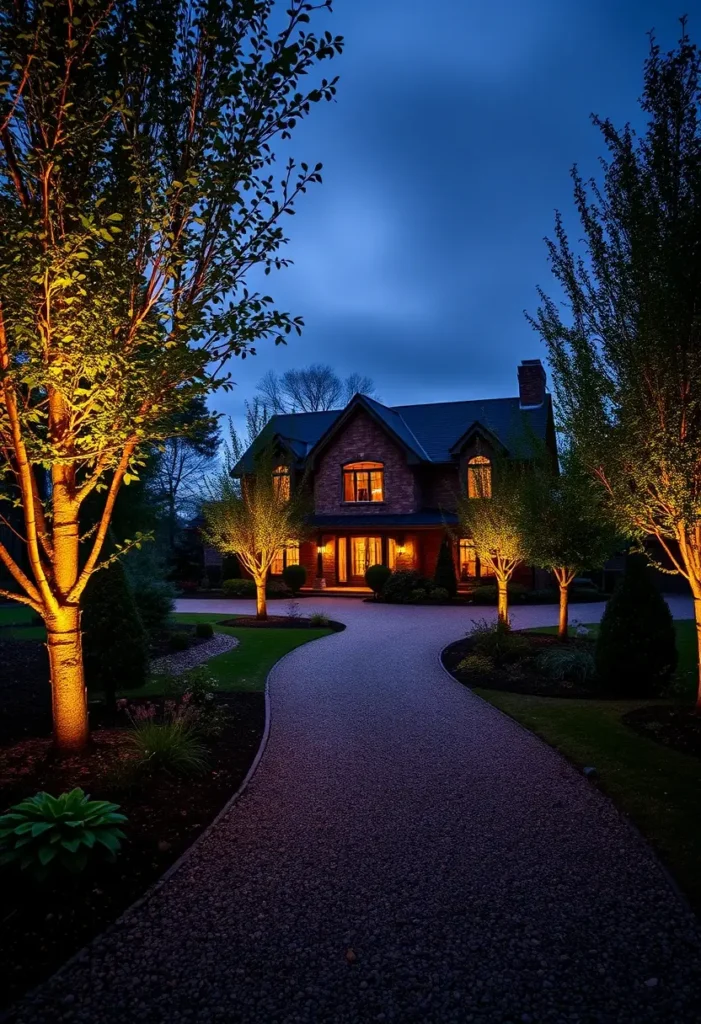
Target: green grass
{"x":246,"y":667}
{"x":14,"y":621}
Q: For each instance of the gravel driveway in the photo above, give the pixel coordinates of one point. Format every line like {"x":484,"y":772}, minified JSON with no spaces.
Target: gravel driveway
{"x":403,"y":853}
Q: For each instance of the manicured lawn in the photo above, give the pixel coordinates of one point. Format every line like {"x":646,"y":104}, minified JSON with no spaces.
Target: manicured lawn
{"x":657,"y":787}
{"x":13,"y":619}
{"x":247,"y":666}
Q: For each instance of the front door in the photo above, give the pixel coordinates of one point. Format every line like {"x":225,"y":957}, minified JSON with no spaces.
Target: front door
{"x":365,"y":551}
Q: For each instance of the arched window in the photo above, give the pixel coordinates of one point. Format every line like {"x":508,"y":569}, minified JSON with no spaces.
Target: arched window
{"x":364,"y":481}
{"x":281,"y":482}
{"x":479,"y":477}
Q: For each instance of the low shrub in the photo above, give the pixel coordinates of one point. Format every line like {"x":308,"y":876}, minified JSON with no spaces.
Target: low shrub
{"x":188,"y":586}
{"x":376,"y":576}
{"x":115,"y":644}
{"x":239,"y":588}
{"x":487,"y":594}
{"x":438,"y":595}
{"x":476,"y":665}
{"x":179,"y":641}
{"x":574,"y":664}
{"x":277,"y":588}
{"x":497,"y":641}
{"x":318,"y":619}
{"x":172,"y":745}
{"x":294,"y":577}
{"x":46,"y":834}
{"x":204,"y":630}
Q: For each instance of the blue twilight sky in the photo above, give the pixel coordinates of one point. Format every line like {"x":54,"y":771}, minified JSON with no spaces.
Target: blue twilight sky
{"x":445,"y":155}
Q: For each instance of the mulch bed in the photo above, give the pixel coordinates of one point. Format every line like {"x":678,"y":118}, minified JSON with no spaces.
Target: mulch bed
{"x":280,"y":622}
{"x":677,"y":727}
{"x":521,"y":677}
{"x":41,"y":927}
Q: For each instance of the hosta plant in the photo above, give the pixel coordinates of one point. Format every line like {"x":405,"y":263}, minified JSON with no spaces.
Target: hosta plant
{"x":47,"y":834}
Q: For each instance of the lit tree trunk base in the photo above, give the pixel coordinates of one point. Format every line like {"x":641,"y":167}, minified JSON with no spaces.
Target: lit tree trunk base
{"x":261,"y":605}
{"x":68,"y":695}
{"x":563,"y":625}
{"x":502,"y":601}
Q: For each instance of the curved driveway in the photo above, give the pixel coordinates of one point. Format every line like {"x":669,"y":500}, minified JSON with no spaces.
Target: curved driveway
{"x":403,"y":853}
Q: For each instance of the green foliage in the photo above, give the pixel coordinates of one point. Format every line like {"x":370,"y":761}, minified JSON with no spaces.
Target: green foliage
{"x":294,"y":577}
{"x":403,"y":584}
{"x":439,"y":595}
{"x":636,"y":652}
{"x":204,"y":630}
{"x":318,"y":619}
{"x":624,"y":343}
{"x":575,"y":664}
{"x":497,"y":641}
{"x":486,"y":594}
{"x":444,"y":576}
{"x":180,"y":640}
{"x":155,"y":601}
{"x":239,"y":588}
{"x":45,"y":835}
{"x":172,"y":745}
{"x":115,"y":647}
{"x":376,"y":576}
{"x":476,"y":665}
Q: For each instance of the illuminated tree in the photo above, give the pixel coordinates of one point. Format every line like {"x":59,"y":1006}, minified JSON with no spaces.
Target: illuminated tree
{"x":564,"y":525}
{"x":253,"y":517}
{"x":626,"y":350}
{"x":494,"y":523}
{"x":136,"y":193}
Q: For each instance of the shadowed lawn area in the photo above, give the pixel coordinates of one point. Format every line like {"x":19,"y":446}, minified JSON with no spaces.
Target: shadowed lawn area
{"x":14,"y":623}
{"x":656,"y":786}
{"x":247,"y":666}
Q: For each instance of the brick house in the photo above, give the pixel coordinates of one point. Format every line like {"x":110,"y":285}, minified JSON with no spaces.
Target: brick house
{"x":386,"y":480}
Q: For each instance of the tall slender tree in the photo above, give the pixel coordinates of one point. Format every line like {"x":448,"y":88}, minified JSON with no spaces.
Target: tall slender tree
{"x":626,"y":349}
{"x":136,"y":194}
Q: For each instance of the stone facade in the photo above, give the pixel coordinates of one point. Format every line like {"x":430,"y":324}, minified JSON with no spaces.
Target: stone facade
{"x":363,"y":440}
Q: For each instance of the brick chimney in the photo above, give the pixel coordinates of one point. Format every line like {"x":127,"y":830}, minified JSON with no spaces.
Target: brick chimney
{"x":531,"y":383}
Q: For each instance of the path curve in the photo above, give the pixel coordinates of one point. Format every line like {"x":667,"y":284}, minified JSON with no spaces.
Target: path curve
{"x":473,"y":874}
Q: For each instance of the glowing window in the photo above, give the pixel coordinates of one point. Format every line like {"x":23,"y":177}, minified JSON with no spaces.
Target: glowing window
{"x":289,"y":555}
{"x":365,"y":551}
{"x":364,"y":481}
{"x":479,"y":477}
{"x":281,"y":482}
{"x":468,"y":559}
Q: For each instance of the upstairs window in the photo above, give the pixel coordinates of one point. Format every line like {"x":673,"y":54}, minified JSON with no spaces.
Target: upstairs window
{"x":281,"y":482}
{"x":364,"y":481}
{"x":479,"y":477}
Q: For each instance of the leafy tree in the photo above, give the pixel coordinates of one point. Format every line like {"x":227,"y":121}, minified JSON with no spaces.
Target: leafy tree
{"x":625,"y":349}
{"x":252,"y":518}
{"x":564,"y":525}
{"x":314,"y":388}
{"x":136,"y":194}
{"x":444,"y":576}
{"x":636,"y":650}
{"x":495,"y":526}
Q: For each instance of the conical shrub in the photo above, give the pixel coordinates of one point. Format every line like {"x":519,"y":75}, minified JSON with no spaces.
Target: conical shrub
{"x":444,"y":576}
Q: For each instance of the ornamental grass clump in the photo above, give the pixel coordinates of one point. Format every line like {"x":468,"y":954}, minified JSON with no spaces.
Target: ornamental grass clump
{"x":47,"y":835}
{"x":572,"y":664}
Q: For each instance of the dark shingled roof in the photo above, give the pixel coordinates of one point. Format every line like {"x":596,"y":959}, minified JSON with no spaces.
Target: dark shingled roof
{"x":428,"y":432}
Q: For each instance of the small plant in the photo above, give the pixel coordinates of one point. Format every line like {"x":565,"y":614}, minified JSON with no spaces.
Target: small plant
{"x":497,"y":641}
{"x":439,"y":595}
{"x":294,"y":577}
{"x":476,"y":665}
{"x":204,"y":630}
{"x":179,"y":641}
{"x":46,"y":834}
{"x":375,"y":577}
{"x":567,"y":663}
{"x":318,"y":619}
{"x":293,"y":611}
{"x":172,"y":745}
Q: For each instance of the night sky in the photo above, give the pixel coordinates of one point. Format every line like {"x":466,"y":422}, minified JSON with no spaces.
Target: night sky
{"x":445,"y":155}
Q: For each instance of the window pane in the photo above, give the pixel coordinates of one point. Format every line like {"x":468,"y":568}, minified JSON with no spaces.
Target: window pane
{"x":374,"y":551}
{"x":281,"y":482}
{"x":278,"y":563}
{"x":293,"y":552}
{"x":342,"y":560}
{"x":468,"y":559}
{"x":362,"y":486}
{"x":479,"y":478}
{"x":391,"y":553}
{"x":358,"y":555}
{"x":348,"y":488}
{"x":376,"y":485}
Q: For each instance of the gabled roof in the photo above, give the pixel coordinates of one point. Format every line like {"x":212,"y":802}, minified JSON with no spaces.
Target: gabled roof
{"x":429,"y":433}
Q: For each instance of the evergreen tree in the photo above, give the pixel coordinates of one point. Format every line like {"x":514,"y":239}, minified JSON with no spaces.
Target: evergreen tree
{"x":444,"y":576}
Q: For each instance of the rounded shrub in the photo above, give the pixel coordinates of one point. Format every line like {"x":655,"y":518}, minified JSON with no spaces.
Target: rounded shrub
{"x":239,"y":588}
{"x":400,"y":587}
{"x":294,"y":577}
{"x":376,"y":576}
{"x":636,"y":653}
{"x":115,"y":645}
{"x":179,"y":641}
{"x":439,"y":595}
{"x":204,"y":630}
{"x":444,"y":576}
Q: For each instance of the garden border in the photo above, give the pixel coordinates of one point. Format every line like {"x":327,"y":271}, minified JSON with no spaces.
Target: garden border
{"x":674,"y":885}
{"x":85,"y":952}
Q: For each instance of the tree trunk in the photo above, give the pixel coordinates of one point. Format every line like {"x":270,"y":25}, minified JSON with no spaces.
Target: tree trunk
{"x":563,"y":627}
{"x":697,"y":616}
{"x":503,"y":601}
{"x":68,"y":696}
{"x":261,"y":605}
